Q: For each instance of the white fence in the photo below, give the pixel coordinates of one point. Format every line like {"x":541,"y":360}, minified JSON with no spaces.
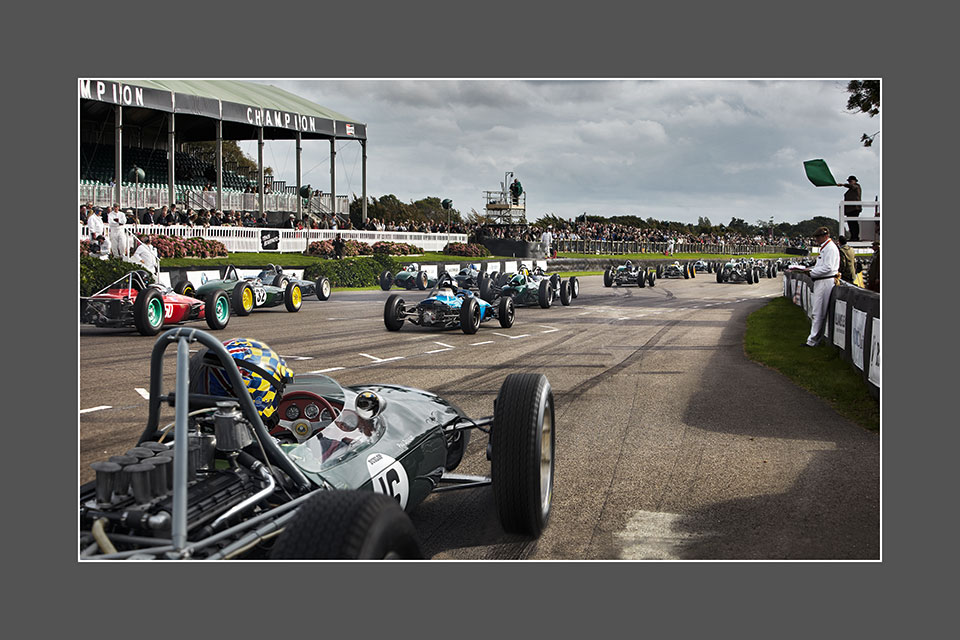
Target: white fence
{"x":267,"y":240}
{"x":142,"y":197}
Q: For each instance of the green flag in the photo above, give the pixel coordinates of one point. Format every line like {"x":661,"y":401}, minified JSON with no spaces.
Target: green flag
{"x":819,"y":174}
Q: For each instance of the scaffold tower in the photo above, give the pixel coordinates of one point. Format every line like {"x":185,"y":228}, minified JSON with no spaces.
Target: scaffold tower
{"x":509,"y":204}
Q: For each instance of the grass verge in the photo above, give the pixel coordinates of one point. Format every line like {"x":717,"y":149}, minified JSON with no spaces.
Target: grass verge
{"x":775,"y":335}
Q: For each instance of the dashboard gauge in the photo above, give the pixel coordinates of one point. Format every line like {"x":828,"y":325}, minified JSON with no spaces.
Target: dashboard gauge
{"x":293,"y":412}
{"x":311,"y":411}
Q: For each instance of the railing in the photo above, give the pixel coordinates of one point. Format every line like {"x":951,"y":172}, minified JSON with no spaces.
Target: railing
{"x":251,"y":239}
{"x":617,"y":247}
{"x":131,"y":196}
{"x":868,"y":232}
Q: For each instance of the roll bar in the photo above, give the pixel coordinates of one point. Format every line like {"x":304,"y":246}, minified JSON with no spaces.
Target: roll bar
{"x":249,"y":410}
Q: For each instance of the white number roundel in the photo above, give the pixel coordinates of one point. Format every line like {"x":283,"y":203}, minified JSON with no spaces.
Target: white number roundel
{"x":389,"y":477}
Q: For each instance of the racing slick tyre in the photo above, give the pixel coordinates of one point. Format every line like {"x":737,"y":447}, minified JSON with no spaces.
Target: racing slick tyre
{"x":148,"y":312}
{"x":641,"y":281}
{"x":184,"y":288}
{"x":749,"y":276}
{"x":692,"y":269}
{"x":485,"y":288}
{"x":545,"y":295}
{"x":293,"y":297}
{"x":719,"y":275}
{"x":421,"y":280}
{"x":652,"y":278}
{"x":393,"y":313}
{"x":348,"y":525}
{"x":659,"y":270}
{"x":565,"y":295}
{"x":242,"y":299}
{"x":506,"y":312}
{"x":470,"y":316}
{"x":574,"y":286}
{"x":522,"y":453}
{"x":386,"y":280}
{"x":323,"y":288}
{"x":607,"y":278}
{"x":281,"y":281}
{"x":216,"y":310}
{"x":686,"y":272}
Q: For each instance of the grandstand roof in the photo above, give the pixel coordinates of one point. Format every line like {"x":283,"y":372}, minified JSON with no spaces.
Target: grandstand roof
{"x":243,"y":107}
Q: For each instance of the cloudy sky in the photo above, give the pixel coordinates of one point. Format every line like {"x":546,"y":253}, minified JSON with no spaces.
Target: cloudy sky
{"x":667,"y":149}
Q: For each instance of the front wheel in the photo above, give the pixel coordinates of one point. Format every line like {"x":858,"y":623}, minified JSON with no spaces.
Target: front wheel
{"x":607,"y":278}
{"x":506,"y":312}
{"x":184,"y":288}
{"x":216,"y":310}
{"x":242,"y":298}
{"x":323,"y":288}
{"x":421,"y":280}
{"x":293,"y":297}
{"x":470,"y":316}
{"x":348,"y":525}
{"x":574,"y":286}
{"x":148,"y":312}
{"x":393,"y":313}
{"x":545,"y":294}
{"x":386,"y":280}
{"x":522,"y":453}
{"x":652,"y":278}
{"x":565,"y":295}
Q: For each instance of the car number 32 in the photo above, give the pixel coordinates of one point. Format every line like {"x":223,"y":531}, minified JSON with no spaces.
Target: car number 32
{"x":389,"y":477}
{"x":260,"y":295}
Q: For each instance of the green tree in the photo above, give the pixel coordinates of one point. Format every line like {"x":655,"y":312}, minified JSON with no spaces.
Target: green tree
{"x":864,"y":98}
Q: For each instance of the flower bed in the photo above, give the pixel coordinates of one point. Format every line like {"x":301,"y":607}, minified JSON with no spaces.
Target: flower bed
{"x":175,"y":247}
{"x":468,"y":250}
{"x":396,"y":248}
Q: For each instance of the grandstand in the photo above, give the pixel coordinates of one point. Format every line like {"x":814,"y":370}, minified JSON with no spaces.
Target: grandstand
{"x":135,"y":123}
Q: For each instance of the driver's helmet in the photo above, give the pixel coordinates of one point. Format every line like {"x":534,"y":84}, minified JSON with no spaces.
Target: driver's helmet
{"x":628,"y":264}
{"x":413,"y":266}
{"x":518,"y":279}
{"x":263,"y":371}
{"x":523,"y":271}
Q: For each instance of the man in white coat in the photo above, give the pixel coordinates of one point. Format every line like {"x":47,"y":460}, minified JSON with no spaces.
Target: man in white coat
{"x":146,"y":255}
{"x":94,"y":224}
{"x":115,"y":220}
{"x":823,"y":274}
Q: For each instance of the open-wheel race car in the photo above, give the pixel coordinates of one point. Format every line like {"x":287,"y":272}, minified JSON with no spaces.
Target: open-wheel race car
{"x":410,"y":277}
{"x":447,"y":307}
{"x":274,"y":274}
{"x":703,"y":266}
{"x":247,"y":294}
{"x":259,"y":464}
{"x":629,"y":274}
{"x":470,"y":276}
{"x":676,"y":270}
{"x":132,"y":301}
{"x":529,"y":287}
{"x":739,"y":270}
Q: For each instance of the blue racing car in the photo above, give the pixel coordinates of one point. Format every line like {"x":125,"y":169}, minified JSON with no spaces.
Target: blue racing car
{"x":448,"y":307}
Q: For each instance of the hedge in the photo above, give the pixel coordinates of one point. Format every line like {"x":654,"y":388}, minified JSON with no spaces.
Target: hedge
{"x":96,"y":273}
{"x":468,"y":250}
{"x":353,"y":272}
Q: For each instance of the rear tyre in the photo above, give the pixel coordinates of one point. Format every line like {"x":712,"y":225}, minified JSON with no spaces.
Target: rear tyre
{"x":607,"y":278}
{"x":281,"y":281}
{"x":348,"y":525}
{"x":686,"y":271}
{"x":522,"y":453}
{"x":652,"y":278}
{"x":641,"y":280}
{"x":470,"y":316}
{"x":719,"y":276}
{"x":386,"y":280}
{"x":421,"y":280}
{"x":545,"y":294}
{"x":184,"y":288}
{"x":659,"y":270}
{"x":692,"y":269}
{"x":393,"y":313}
{"x":574,"y":286}
{"x":148,"y":312}
{"x":506,"y":312}
{"x":293,"y":297}
{"x":323,"y":288}
{"x":216,"y":310}
{"x":565,"y":295}
{"x":484,"y":288}
{"x":242,"y":299}
{"x":749,"y":276}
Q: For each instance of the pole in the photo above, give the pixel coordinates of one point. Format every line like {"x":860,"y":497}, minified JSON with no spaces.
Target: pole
{"x":117,"y":136}
{"x":363,"y":148}
{"x":171,"y":152}
{"x":333,"y":172}
{"x":299,"y":197}
{"x":220,"y":165}
{"x":260,"y":168}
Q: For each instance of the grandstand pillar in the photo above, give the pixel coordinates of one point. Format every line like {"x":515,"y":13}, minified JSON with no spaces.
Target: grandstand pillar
{"x":299,"y":197}
{"x":260,"y":169}
{"x":333,"y":174}
{"x":363,"y":164}
{"x":220,"y":165}
{"x":117,"y":135}
{"x":171,"y":165}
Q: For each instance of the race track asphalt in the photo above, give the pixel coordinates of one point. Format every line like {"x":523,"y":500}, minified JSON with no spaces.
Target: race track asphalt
{"x":670,"y":443}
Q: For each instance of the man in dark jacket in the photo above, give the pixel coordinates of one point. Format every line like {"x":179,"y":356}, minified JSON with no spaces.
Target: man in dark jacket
{"x":848,"y":261}
{"x":852,"y":194}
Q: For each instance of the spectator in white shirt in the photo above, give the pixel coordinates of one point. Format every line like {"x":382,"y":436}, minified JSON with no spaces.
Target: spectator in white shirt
{"x":824,"y":274}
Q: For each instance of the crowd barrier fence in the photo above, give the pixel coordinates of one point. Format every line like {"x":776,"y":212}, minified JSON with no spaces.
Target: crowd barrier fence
{"x":617,"y":247}
{"x":852,"y":324}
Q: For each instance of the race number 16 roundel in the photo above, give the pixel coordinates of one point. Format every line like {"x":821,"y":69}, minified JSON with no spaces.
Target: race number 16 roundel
{"x":389,"y":477}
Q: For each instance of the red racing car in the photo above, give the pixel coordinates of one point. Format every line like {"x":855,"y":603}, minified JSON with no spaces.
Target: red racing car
{"x":132,"y":302}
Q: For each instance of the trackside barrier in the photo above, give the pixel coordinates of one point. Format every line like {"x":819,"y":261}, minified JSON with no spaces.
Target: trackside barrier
{"x":172,"y":275}
{"x":268,"y":240}
{"x":852,"y":324}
